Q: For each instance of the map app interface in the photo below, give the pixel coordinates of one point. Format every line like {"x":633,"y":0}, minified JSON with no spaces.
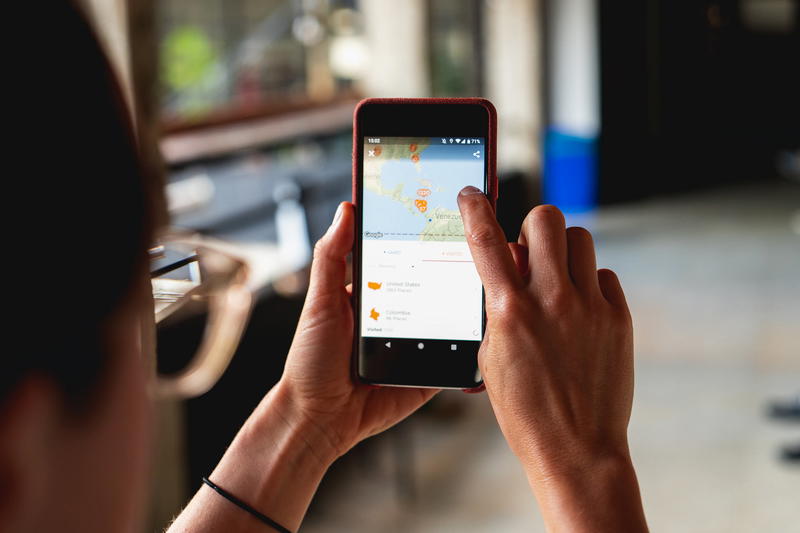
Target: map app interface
{"x":418,"y":279}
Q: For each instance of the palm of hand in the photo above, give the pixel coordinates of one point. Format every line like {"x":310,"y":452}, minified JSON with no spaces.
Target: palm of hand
{"x":318,"y":369}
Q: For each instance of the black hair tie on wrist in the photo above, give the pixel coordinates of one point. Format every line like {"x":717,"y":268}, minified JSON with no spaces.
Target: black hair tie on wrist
{"x":242,"y":505}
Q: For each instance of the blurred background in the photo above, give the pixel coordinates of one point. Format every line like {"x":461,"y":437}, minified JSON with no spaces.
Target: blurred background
{"x":670,"y":129}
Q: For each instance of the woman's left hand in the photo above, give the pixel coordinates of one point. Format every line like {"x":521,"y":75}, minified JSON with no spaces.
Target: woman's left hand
{"x":313,"y":415}
{"x":318,"y":380}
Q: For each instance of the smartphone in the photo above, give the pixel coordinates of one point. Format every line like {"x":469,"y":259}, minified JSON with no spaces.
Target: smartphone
{"x":418,"y":300}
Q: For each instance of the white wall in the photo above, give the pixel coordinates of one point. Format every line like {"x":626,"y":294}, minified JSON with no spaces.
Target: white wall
{"x":574,"y":74}
{"x":513,"y":80}
{"x":396,"y":38}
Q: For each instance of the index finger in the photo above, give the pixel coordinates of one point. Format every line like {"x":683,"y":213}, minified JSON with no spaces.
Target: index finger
{"x":488,"y":246}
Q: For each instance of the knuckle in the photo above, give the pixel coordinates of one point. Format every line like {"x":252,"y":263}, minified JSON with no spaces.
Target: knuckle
{"x":623,"y":317}
{"x":495,"y":306}
{"x":320,"y":248}
{"x":484,"y":236}
{"x":507,"y":308}
{"x":593,"y":304}
{"x":559,"y":302}
{"x":620,"y":332}
{"x":486,"y":357}
{"x":613,"y":318}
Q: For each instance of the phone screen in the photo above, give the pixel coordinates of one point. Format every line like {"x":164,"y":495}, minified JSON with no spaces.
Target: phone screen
{"x":418,"y":281}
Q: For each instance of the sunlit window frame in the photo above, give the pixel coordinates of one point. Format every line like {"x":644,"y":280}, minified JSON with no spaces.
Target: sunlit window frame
{"x":227,"y":129}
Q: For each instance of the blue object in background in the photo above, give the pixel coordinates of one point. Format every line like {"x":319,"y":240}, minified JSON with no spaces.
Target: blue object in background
{"x":570,"y":171}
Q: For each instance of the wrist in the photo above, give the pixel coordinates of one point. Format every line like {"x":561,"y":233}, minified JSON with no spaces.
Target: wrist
{"x":600,"y":493}
{"x":280,"y":414}
{"x":276,"y":461}
{"x":549,"y":463}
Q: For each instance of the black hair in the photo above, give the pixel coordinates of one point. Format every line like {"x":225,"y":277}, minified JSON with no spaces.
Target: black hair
{"x":80,"y":225}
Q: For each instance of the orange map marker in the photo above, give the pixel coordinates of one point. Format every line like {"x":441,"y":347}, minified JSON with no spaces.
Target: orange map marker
{"x":415,"y":158}
{"x":374,"y":314}
{"x":423,"y":192}
{"x":412,"y":147}
{"x":374,"y":285}
{"x":422,"y":205}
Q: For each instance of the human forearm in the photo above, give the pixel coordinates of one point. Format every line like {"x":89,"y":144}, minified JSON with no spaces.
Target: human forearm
{"x":315,"y":414}
{"x":274,"y":464}
{"x":557,"y":360}
{"x":601,"y":495}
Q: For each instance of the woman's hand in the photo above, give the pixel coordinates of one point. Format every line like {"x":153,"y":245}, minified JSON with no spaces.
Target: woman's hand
{"x":318,"y":378}
{"x":312,"y":416}
{"x":557,"y":361}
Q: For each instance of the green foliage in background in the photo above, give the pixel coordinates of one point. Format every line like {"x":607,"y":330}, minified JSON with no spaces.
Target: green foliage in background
{"x":187,"y":57}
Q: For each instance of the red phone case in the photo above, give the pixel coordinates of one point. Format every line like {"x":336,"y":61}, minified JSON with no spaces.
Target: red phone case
{"x":491,"y":158}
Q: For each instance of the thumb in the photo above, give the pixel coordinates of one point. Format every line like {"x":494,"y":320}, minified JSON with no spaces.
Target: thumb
{"x":329,"y":266}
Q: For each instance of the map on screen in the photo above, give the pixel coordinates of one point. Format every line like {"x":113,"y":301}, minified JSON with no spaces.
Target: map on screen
{"x":418,"y":278}
{"x":411,"y":185}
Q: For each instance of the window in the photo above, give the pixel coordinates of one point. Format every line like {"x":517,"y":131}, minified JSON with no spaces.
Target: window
{"x":456,"y":48}
{"x":227,"y":59}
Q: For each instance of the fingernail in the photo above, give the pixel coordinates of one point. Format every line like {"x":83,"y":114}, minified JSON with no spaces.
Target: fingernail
{"x":469,"y":189}
{"x":336,"y":218}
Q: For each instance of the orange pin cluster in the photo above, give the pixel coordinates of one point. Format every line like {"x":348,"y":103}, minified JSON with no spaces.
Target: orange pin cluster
{"x":414,"y":155}
{"x":420,"y":202}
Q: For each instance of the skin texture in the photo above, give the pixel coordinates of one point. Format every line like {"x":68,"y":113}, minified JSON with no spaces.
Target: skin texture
{"x":315,"y":413}
{"x":557,"y":362}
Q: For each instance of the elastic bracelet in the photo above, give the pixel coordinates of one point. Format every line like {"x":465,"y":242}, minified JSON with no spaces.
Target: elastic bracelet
{"x":242,"y":505}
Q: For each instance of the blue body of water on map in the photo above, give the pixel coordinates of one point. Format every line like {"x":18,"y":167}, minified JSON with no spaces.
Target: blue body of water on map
{"x":447,"y":168}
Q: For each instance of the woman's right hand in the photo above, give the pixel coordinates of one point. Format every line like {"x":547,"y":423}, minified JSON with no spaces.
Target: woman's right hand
{"x":557,"y":361}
